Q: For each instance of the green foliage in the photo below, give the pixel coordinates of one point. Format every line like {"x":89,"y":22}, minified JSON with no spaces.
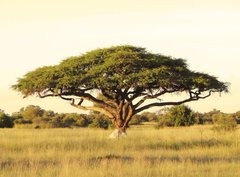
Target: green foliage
{"x":99,"y":123}
{"x":120,"y":75}
{"x":198,"y":118}
{"x":22,"y":121}
{"x":70,"y":120}
{"x":237,"y":117}
{"x":136,"y":120}
{"x":31,"y":112}
{"x":165,"y":122}
{"x":5,"y":120}
{"x":97,"y":120}
{"x":118,"y":67}
{"x":49,"y":119}
{"x":81,"y":122}
{"x":148,"y":117}
{"x":224,"y":122}
{"x":208,"y":117}
{"x":177,"y":116}
{"x":48,"y":114}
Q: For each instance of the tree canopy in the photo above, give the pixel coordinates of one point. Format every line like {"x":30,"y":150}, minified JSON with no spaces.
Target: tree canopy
{"x":124,"y":76}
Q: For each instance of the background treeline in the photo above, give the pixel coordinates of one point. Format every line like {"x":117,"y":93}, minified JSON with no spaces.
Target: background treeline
{"x":36,"y":117}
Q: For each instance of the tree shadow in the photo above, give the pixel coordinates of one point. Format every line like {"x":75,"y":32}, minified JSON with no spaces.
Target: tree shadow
{"x":110,"y":157}
{"x":203,"y":159}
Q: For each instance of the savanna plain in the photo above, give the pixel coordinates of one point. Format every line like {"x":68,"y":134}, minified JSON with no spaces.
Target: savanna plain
{"x":195,"y":151}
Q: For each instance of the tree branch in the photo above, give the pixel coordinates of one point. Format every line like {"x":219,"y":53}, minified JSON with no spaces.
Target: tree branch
{"x":191,"y":98}
{"x":82,"y":95}
{"x":129,"y":115}
{"x":153,"y":96}
{"x":47,"y":95}
{"x":93,"y":108}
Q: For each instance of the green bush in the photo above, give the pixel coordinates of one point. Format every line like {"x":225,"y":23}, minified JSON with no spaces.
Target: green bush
{"x":49,"y":119}
{"x":31,"y":112}
{"x":198,"y":118}
{"x":82,"y":122}
{"x":136,"y":120}
{"x":165,"y":122}
{"x":99,"y":123}
{"x":22,"y":121}
{"x":148,"y":117}
{"x":5,"y":121}
{"x":68,"y":121}
{"x":176,"y":116}
{"x":224,"y":122}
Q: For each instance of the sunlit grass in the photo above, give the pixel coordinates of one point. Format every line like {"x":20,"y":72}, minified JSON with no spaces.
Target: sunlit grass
{"x":146,"y":152}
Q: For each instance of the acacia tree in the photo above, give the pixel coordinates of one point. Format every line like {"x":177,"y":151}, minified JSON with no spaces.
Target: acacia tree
{"x":125,"y":77}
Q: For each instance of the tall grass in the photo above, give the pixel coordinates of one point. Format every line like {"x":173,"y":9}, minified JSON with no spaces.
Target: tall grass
{"x":179,"y":152}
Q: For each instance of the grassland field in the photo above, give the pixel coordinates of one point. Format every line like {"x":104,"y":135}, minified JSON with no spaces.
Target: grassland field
{"x":195,"y":151}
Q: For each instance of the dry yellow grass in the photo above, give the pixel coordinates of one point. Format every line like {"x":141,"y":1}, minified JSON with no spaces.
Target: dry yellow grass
{"x":171,"y":152}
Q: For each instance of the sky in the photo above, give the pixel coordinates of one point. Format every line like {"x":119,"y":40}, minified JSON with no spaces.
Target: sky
{"x":37,"y":33}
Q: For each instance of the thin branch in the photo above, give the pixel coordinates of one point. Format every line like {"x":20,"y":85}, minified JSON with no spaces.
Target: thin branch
{"x":47,"y":95}
{"x":91,"y":98}
{"x":153,"y":96}
{"x":191,"y":98}
{"x":80,"y":102}
{"x":104,"y":92}
{"x":64,"y":98}
{"x":82,"y":95}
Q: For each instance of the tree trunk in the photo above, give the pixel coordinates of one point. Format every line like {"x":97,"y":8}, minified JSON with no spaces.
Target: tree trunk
{"x":118,"y":133}
{"x":121,"y":122}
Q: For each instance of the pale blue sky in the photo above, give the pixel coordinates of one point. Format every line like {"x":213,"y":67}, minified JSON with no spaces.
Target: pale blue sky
{"x":38,"y":33}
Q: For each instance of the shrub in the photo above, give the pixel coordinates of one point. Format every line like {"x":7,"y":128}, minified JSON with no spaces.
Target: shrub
{"x":82,"y":122}
{"x":68,"y":121}
{"x":224,"y":122}
{"x":165,"y":122}
{"x":57,"y":121}
{"x":198,"y":118}
{"x":99,"y":123}
{"x":31,"y":112}
{"x":22,"y":121}
{"x":148,"y":117}
{"x":5,"y":121}
{"x":176,"y":116}
{"x":136,"y":120}
{"x":208,"y":117}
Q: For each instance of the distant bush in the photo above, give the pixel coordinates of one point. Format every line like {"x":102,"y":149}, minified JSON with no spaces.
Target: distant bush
{"x":198,"y":118}
{"x":99,"y":123}
{"x":176,"y":116}
{"x":208,"y":117}
{"x":36,"y":117}
{"x":237,"y":117}
{"x":31,"y":112}
{"x":82,"y":122}
{"x":136,"y":120}
{"x":165,"y":122}
{"x":22,"y":121}
{"x":76,"y":120}
{"x":224,"y":122}
{"x":148,"y":117}
{"x":5,"y":120}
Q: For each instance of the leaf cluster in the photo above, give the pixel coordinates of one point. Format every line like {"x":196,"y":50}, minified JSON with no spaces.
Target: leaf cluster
{"x":117,"y":68}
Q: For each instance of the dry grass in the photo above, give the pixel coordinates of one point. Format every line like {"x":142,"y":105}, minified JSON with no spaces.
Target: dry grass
{"x":172,"y":152}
